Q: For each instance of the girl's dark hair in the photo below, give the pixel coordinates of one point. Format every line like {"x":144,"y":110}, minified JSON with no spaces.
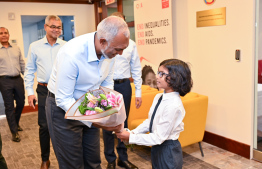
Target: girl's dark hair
{"x":179,"y":77}
{"x":146,"y":69}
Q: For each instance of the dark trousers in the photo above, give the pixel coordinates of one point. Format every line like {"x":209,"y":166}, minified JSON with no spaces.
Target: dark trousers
{"x":13,"y":89}
{"x":76,"y":145}
{"x":125,"y":89}
{"x":168,"y":155}
{"x":43,"y":128}
{"x":2,"y":159}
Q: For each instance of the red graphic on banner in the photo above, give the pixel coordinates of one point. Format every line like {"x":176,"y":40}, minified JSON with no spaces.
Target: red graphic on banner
{"x":142,"y":58}
{"x":165,"y":4}
{"x":140,"y":26}
{"x":141,"y":41}
{"x":139,"y":6}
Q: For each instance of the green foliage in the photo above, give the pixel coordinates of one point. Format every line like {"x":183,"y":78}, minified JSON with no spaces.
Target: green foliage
{"x":103,"y":96}
{"x":83,"y":106}
{"x":82,"y":109}
{"x":108,"y":107}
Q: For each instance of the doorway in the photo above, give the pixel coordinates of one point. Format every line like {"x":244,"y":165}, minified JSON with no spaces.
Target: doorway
{"x":33,"y":29}
{"x":257,"y":148}
{"x":124,"y":6}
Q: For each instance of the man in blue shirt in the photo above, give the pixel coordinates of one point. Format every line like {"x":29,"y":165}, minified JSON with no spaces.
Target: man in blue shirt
{"x":126,"y":64}
{"x":82,"y":64}
{"x":41,"y":56}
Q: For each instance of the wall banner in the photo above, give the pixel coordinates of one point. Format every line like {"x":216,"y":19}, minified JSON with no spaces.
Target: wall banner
{"x":153,"y":29}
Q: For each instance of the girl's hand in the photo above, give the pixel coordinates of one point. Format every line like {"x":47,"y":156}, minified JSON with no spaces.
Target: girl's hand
{"x":123,"y":136}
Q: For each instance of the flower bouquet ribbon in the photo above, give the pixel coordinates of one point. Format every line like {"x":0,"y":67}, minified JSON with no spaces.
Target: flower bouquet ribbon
{"x":102,"y":106}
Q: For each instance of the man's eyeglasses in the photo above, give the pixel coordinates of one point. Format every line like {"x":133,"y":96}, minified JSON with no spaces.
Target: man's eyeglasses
{"x":160,"y":74}
{"x":54,"y":27}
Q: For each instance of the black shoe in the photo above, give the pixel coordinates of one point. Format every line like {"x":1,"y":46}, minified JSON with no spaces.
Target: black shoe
{"x":16,"y":137}
{"x":19,"y":128}
{"x":126,"y":164}
{"x":111,"y":165}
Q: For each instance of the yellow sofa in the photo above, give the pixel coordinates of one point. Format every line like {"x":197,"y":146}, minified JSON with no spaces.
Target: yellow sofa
{"x":194,"y":121}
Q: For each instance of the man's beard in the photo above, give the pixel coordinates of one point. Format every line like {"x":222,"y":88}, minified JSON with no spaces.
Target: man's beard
{"x":103,"y":52}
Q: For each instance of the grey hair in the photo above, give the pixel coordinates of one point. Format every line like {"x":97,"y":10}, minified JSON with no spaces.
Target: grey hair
{"x":109,"y":27}
{"x":5,"y":28}
{"x":49,"y":17}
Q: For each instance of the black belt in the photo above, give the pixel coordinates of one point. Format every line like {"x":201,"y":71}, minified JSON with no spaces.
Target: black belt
{"x":50,"y":94}
{"x":10,"y":77}
{"x":117,"y":81}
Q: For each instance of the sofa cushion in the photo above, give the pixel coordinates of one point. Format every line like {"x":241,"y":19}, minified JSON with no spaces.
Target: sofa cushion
{"x":189,"y":95}
{"x":144,"y":88}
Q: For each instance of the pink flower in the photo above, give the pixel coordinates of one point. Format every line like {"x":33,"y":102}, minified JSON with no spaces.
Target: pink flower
{"x":90,"y":104}
{"x":90,"y":112}
{"x":91,"y":98}
{"x":104,"y":102}
{"x":114,"y":100}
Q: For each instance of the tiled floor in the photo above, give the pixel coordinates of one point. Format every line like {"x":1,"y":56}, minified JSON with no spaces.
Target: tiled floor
{"x":26,"y":154}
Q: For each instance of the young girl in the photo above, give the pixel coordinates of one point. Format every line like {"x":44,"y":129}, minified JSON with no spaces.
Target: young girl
{"x":165,"y":117}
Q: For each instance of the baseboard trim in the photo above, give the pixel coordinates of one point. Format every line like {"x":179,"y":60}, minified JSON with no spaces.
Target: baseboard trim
{"x":28,"y":109}
{"x":227,"y":144}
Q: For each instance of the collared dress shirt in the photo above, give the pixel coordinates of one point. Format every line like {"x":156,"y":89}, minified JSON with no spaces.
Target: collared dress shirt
{"x":128,"y":63}
{"x":11,"y":61}
{"x":41,"y":57}
{"x":167,"y":123}
{"x":77,"y":70}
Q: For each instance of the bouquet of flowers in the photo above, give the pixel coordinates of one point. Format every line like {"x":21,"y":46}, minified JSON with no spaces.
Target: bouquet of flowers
{"x":101,"y":106}
{"x":93,"y":105}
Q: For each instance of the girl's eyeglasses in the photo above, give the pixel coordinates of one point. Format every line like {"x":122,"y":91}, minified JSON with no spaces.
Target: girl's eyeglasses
{"x":160,"y":74}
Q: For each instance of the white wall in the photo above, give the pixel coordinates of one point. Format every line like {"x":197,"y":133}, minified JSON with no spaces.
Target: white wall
{"x":211,"y":51}
{"x":83,"y":15}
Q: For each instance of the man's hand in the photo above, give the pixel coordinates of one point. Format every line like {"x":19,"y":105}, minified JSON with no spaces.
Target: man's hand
{"x":31,"y":99}
{"x":117,"y":129}
{"x":123,"y":136}
{"x":138,"y":102}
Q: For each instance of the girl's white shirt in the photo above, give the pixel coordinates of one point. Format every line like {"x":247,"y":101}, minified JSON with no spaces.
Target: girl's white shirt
{"x":167,"y":123}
